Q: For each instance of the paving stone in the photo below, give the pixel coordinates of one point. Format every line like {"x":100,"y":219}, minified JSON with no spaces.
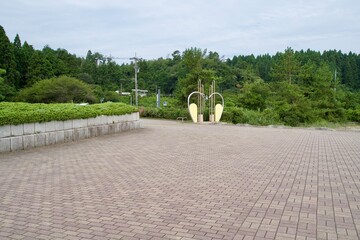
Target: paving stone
{"x":185,"y":181}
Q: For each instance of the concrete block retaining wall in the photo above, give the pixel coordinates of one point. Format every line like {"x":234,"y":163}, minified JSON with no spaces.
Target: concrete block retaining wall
{"x":31,"y":135}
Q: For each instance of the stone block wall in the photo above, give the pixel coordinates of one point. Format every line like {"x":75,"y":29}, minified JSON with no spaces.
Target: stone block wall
{"x":31,"y":135}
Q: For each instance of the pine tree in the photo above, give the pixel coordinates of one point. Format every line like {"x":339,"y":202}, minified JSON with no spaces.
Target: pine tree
{"x":287,"y":67}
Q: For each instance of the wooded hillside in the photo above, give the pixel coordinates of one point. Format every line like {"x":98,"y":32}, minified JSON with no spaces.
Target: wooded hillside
{"x":292,"y":86}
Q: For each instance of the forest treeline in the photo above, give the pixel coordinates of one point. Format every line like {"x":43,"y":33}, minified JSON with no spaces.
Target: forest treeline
{"x":290,"y":87}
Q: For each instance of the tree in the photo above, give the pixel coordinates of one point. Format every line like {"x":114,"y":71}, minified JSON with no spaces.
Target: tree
{"x":287,"y":67}
{"x":27,"y":51}
{"x":306,"y":74}
{"x":323,"y":86}
{"x":193,"y":59}
{"x":351,"y":71}
{"x":176,"y":56}
{"x":39,"y":68}
{"x":6,"y":91}
{"x":57,"y":90}
{"x":189,"y":84}
{"x":290,"y":103}
{"x":323,"y":95}
{"x":58,"y":67}
{"x":249,"y":75}
{"x":264,"y":64}
{"x":71,"y":63}
{"x":2,"y":85}
{"x":254,"y":95}
{"x":22,"y":61}
{"x":7,"y":59}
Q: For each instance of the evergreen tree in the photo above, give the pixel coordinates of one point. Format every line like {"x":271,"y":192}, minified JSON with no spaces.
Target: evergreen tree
{"x":287,"y":67}
{"x":27,"y":52}
{"x":57,"y":65}
{"x":7,"y":59}
{"x":39,"y":68}
{"x":21,"y":62}
{"x":71,"y":62}
{"x":264,"y":65}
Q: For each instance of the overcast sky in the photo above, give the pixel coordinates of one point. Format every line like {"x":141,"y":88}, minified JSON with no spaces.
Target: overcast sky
{"x":156,"y":28}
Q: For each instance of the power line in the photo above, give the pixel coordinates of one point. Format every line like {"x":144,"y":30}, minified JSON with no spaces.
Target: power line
{"x":136,"y":69}
{"x":121,"y":58}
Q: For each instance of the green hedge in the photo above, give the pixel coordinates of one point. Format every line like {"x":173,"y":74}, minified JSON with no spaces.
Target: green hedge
{"x":231,"y":114}
{"x":165,"y":113}
{"x":290,"y":117}
{"x":18,"y":113}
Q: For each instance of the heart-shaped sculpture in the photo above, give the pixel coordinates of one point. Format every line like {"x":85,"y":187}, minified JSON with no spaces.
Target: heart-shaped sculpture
{"x":193,"y":112}
{"x":218,"y":112}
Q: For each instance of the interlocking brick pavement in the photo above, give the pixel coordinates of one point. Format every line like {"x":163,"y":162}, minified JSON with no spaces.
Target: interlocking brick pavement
{"x":184,"y":181}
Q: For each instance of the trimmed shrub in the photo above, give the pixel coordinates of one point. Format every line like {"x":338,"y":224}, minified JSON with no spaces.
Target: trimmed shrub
{"x":18,"y":113}
{"x":57,"y":90}
{"x":166,"y":113}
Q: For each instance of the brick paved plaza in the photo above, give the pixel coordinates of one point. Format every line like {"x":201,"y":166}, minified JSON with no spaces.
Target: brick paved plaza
{"x":184,"y":181}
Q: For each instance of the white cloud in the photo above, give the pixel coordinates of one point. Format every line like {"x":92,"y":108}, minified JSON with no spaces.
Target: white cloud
{"x":159,"y":27}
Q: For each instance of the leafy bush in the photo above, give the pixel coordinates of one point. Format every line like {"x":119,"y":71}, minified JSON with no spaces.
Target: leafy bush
{"x":166,"y":113}
{"x":297,"y":114}
{"x":353,"y":115}
{"x":150,"y":101}
{"x":240,"y":115}
{"x":227,"y":115}
{"x":334,"y":115}
{"x":6,"y":91}
{"x":112,"y":96}
{"x":57,"y":90}
{"x":18,"y":113}
{"x":288,"y":114}
{"x":254,"y":95}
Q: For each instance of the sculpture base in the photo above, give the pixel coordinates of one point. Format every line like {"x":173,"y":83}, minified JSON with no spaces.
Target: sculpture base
{"x":212,"y":118}
{"x":200,"y":118}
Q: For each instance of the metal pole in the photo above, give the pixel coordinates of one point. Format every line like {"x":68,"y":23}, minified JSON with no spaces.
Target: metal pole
{"x":209,"y":102}
{"x":158,"y":99}
{"x":199,"y":96}
{"x":136,"y":86}
{"x":203,"y":101}
{"x":214,"y":100}
{"x":335,"y":80}
{"x":136,"y":68}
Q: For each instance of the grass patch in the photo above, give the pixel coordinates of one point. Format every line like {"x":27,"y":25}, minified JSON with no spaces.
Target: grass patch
{"x":332,"y":125}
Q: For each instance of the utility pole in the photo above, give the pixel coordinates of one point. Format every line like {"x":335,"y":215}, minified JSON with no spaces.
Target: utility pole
{"x":335,"y":80}
{"x":158,"y":98}
{"x":137,"y":69}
